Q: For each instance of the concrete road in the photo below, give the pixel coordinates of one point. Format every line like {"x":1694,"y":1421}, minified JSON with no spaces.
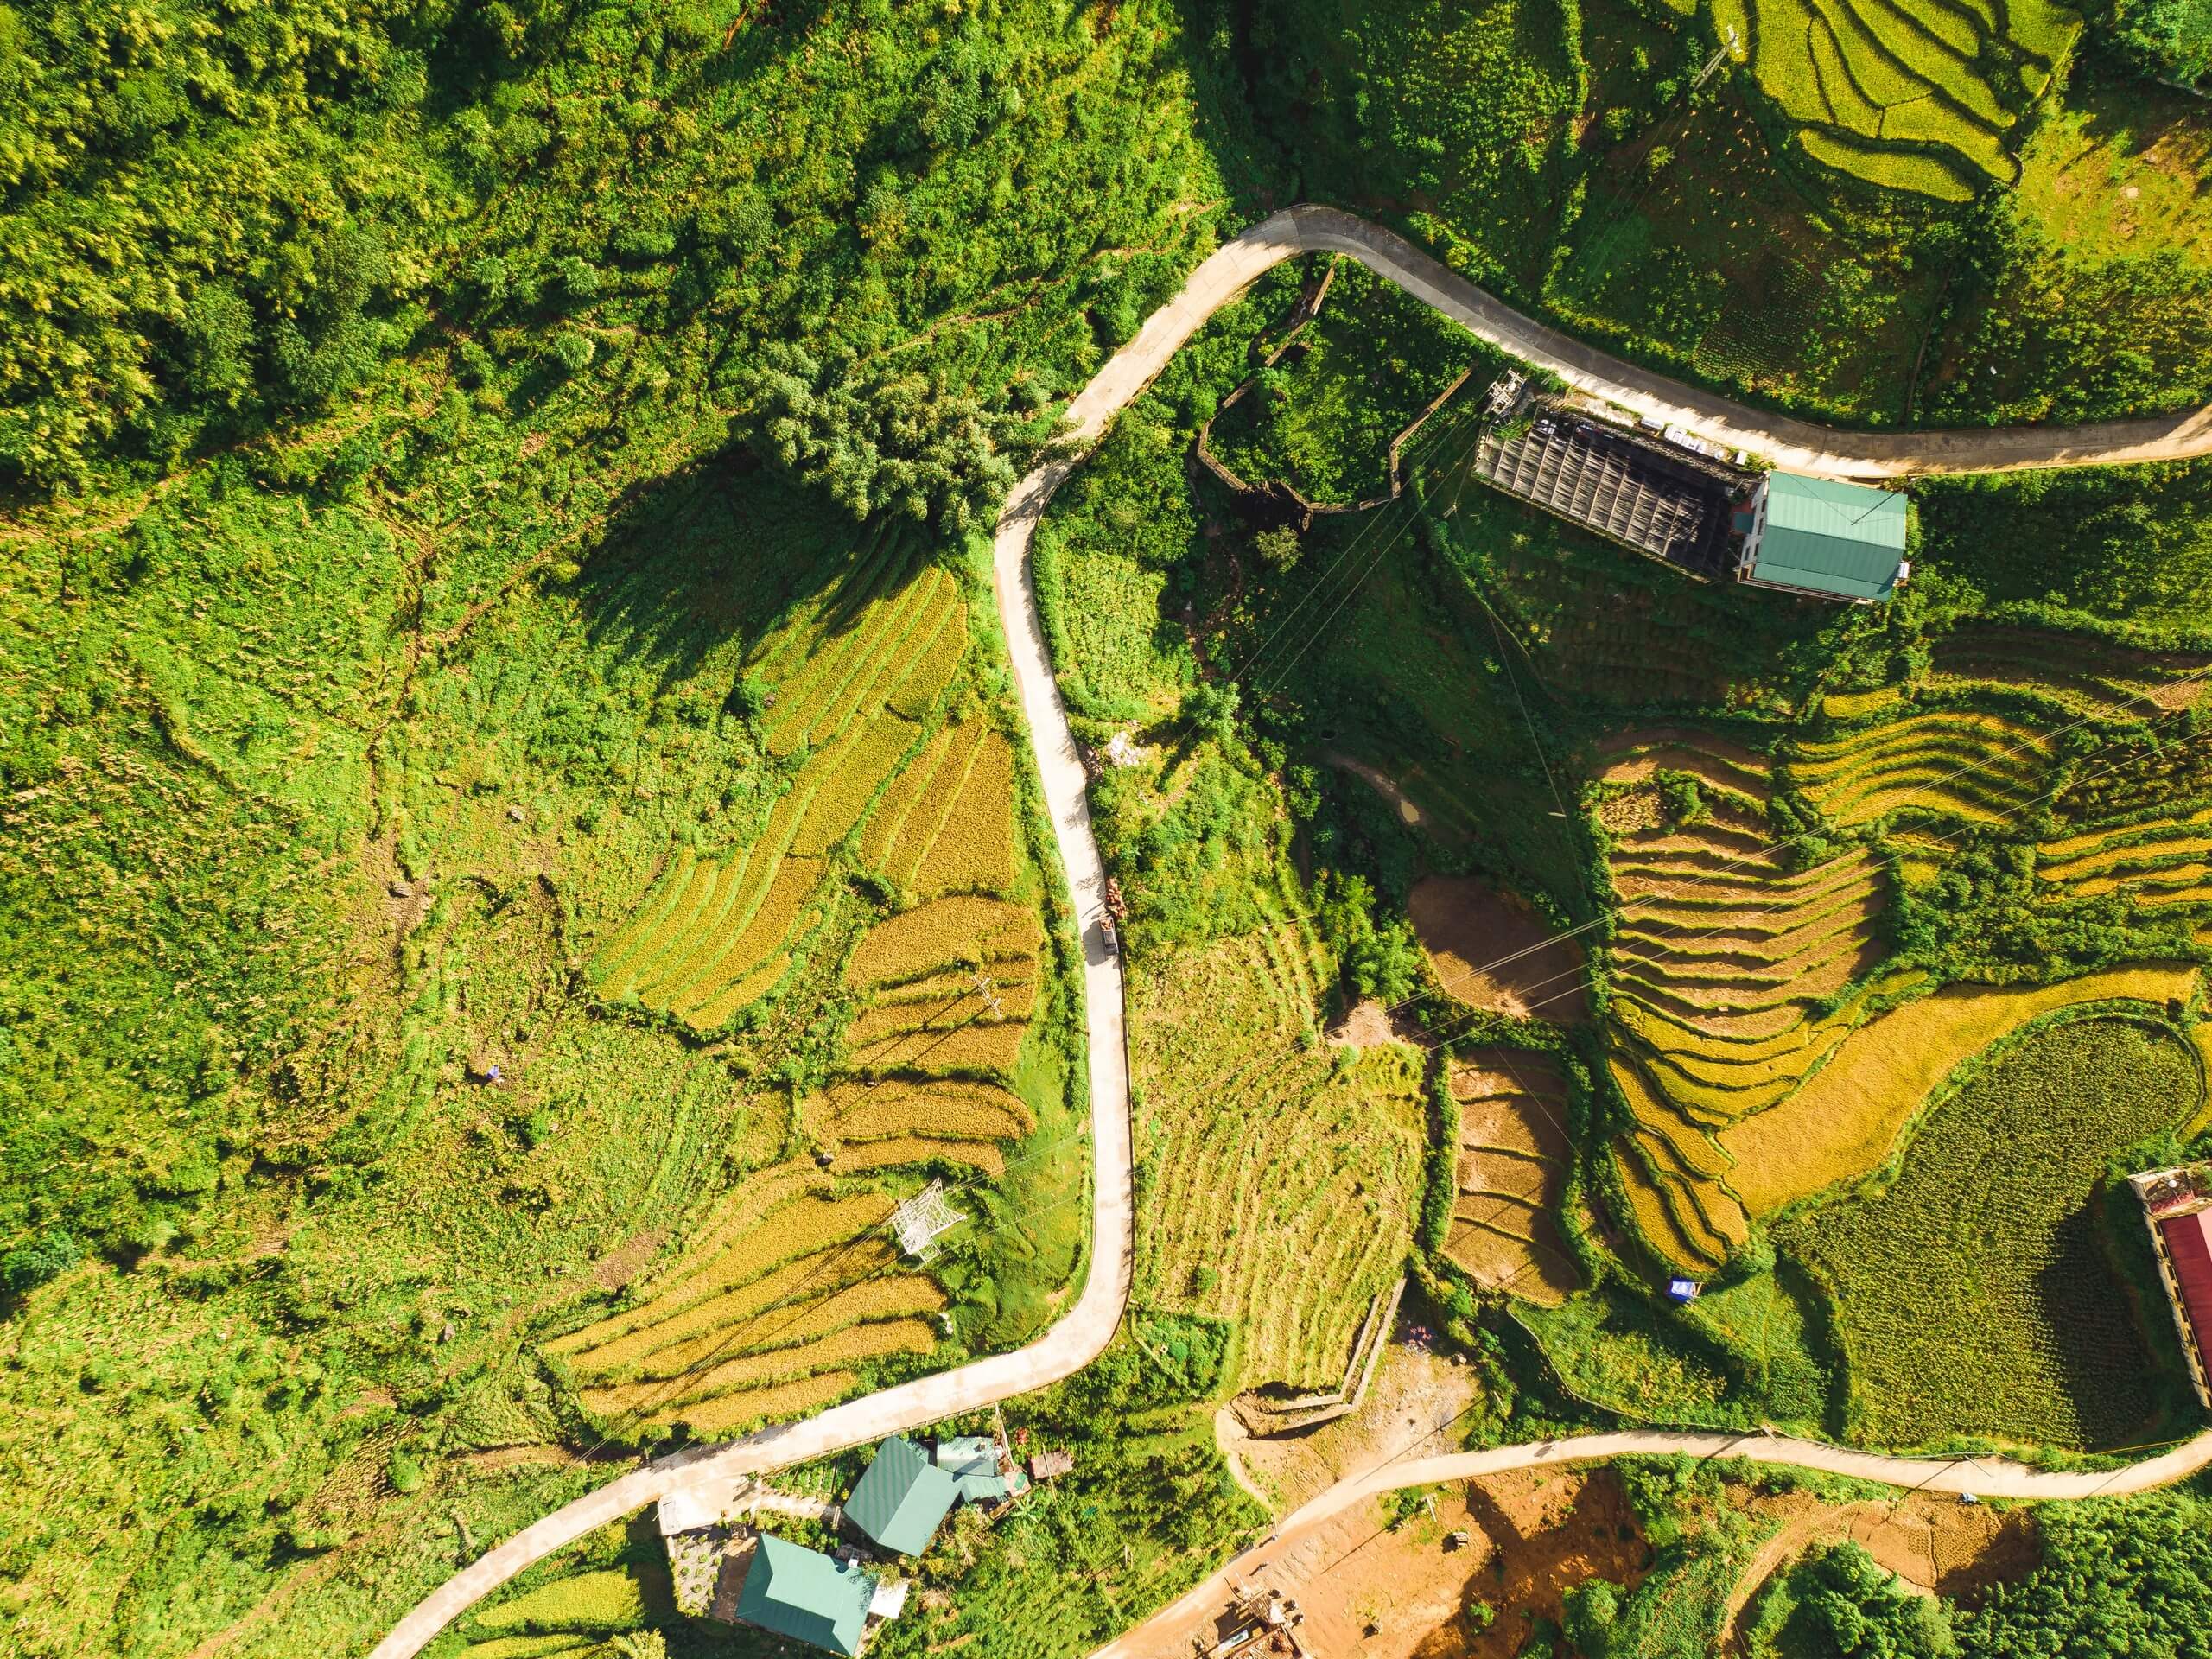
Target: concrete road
{"x":1090,"y":1325}
{"x":1794,"y":445}
{"x":1169,"y":1630}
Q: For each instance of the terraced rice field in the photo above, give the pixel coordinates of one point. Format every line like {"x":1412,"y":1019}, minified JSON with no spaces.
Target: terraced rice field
{"x":1922,"y":96}
{"x":1743,"y":1100}
{"x":1279,"y":1182}
{"x":791,"y":1287}
{"x":1950,"y":762}
{"x":1847,"y":1122}
{"x":1722,"y":953}
{"x":1514,"y":1156}
{"x":2155,"y":866}
{"x":2095,"y":676}
{"x":854,"y":677}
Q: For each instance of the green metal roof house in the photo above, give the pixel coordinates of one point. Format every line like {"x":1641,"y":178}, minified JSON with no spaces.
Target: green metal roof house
{"x":902,"y":1497}
{"x":1833,"y":540}
{"x":804,"y":1594}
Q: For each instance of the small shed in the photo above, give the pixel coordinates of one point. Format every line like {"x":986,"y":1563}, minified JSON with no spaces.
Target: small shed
{"x":902,"y":1497}
{"x":1823,"y":536}
{"x":1050,"y":1466}
{"x":803,"y":1594}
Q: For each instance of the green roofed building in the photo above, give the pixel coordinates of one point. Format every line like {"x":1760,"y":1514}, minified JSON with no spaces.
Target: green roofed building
{"x":804,"y":1594}
{"x":1818,"y":535}
{"x":902,"y":1497}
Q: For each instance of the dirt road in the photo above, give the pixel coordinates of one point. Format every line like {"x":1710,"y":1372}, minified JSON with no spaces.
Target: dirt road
{"x":1168,"y":1630}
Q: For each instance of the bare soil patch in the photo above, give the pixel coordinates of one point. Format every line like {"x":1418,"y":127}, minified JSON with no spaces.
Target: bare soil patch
{"x":1368,"y":1025}
{"x":1465,"y":925}
{"x":1413,"y":1391}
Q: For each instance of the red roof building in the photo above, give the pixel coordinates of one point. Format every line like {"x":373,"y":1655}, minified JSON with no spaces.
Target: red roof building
{"x":2178,"y":1210}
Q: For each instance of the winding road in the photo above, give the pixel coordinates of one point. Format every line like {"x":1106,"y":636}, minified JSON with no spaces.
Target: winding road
{"x":1090,"y":1325}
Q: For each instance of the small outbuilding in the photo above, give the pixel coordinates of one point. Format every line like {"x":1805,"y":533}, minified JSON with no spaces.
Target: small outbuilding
{"x":1822,"y":536}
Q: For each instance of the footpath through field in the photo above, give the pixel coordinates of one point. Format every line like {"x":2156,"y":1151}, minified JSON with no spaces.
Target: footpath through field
{"x":1079,"y":1336}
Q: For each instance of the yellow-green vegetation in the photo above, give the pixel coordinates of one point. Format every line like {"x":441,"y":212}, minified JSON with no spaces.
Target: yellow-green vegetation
{"x":1970,"y":1293}
{"x":2089,"y":674}
{"x":794,"y":1289}
{"x":616,"y":1598}
{"x":1955,"y":762}
{"x":1914,"y":95}
{"x":845,"y":683}
{"x":1279,"y":1178}
{"x":1721,"y":963}
{"x":1847,"y":1122}
{"x":1511,"y":1175}
{"x":2121,"y":171}
{"x":789,"y":1285}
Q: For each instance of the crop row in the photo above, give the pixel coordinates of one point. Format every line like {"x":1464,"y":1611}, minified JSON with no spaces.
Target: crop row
{"x":1976,"y":767}
{"x":947,"y":824}
{"x":1280,"y":1189}
{"x":1908,"y":97}
{"x":2077,"y":668}
{"x":1514,"y":1154}
{"x":900,"y":653}
{"x":965,"y":929}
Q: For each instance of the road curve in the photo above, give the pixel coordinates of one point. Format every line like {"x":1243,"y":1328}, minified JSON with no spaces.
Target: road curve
{"x":1794,"y":445}
{"x":1090,"y":1325}
{"x":1984,"y":1477}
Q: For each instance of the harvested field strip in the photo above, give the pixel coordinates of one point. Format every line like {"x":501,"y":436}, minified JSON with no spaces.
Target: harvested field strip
{"x":1984,"y":740}
{"x":1771,"y":928}
{"x":1009,"y":1000}
{"x":960,"y":1110}
{"x":729,"y":1412}
{"x":1637,"y":765}
{"x":663,"y":1399}
{"x":1702,"y":1006}
{"x":957,"y":984}
{"x":965,"y":1048}
{"x":1845,"y":1122}
{"x":971,"y":845}
{"x":2122,"y":837}
{"x":1512,"y":1167}
{"x":2140,"y":855}
{"x":961,"y":928}
{"x":901,"y":1149}
{"x":2144,"y":880}
{"x":806,"y":1225}
{"x":1690,"y":956}
{"x":816,"y":1275}
{"x":792,"y":1326}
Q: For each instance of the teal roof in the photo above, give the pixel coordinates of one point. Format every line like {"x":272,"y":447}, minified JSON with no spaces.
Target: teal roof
{"x":803,"y":1594}
{"x":902,"y":1497}
{"x":982,"y":1489}
{"x":969,"y":1454}
{"x":1831,"y":537}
